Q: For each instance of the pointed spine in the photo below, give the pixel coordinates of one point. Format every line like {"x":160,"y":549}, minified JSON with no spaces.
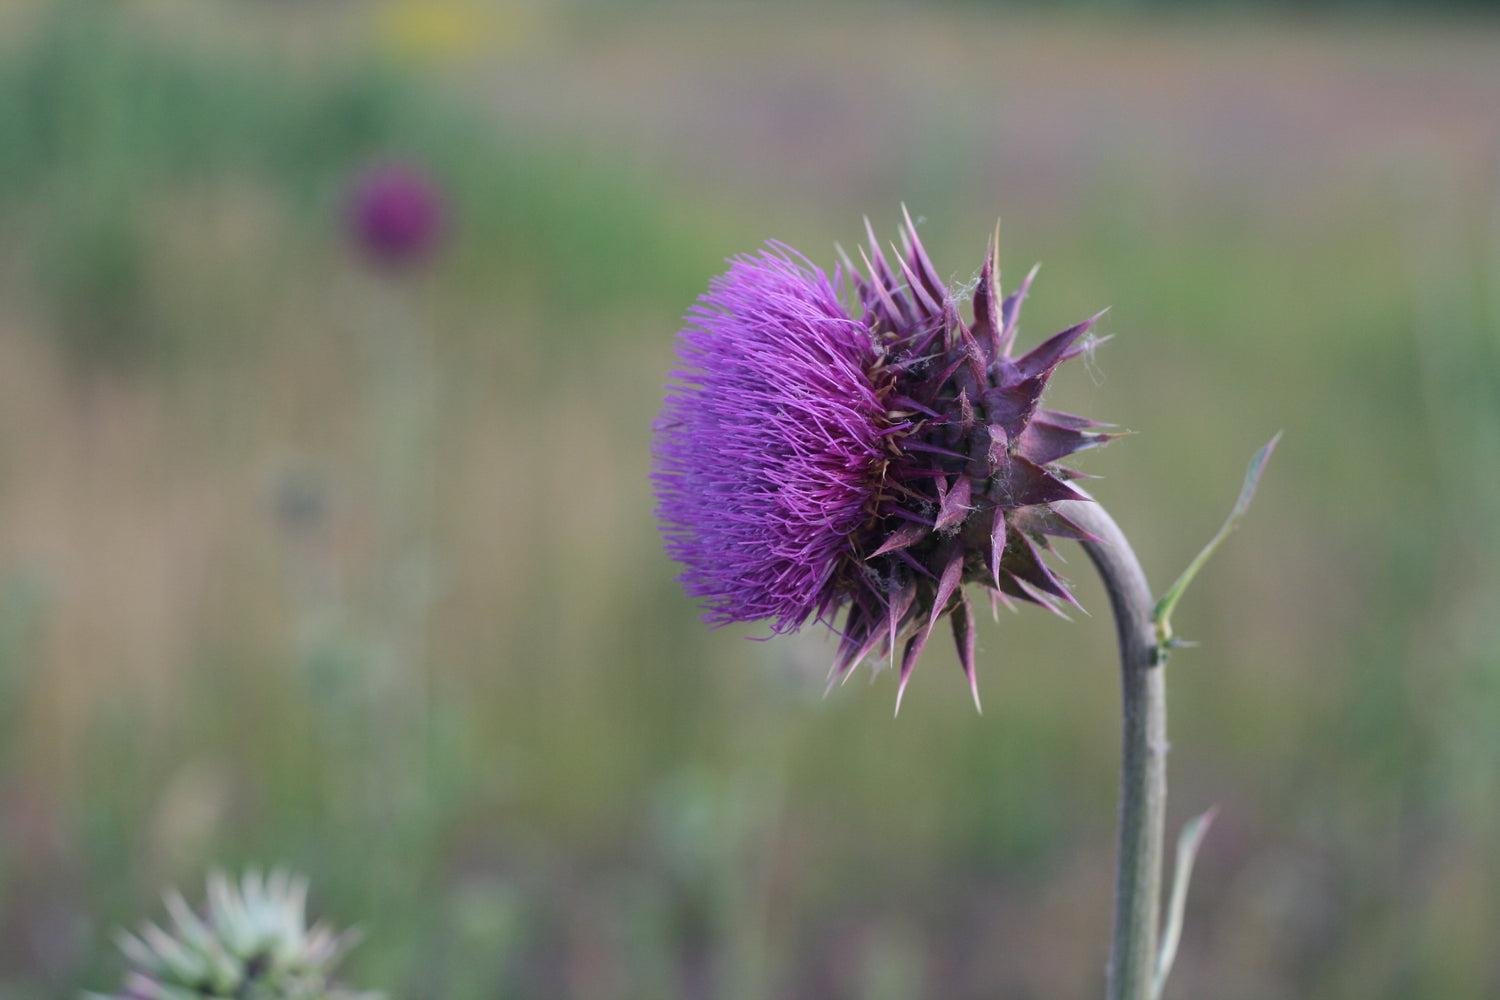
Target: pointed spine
{"x":963,"y":638}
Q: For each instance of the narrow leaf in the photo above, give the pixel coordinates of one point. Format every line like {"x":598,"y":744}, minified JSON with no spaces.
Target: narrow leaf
{"x":1188,"y":842}
{"x":1164,"y":607}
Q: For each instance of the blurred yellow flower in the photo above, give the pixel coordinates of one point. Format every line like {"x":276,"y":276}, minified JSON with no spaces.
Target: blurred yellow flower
{"x":443,"y":30}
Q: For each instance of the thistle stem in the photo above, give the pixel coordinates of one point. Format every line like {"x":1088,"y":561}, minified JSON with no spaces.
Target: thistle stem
{"x":1143,"y":765}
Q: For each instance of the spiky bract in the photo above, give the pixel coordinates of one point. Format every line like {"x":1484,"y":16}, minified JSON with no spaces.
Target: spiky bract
{"x":875,"y":456}
{"x":251,"y":943}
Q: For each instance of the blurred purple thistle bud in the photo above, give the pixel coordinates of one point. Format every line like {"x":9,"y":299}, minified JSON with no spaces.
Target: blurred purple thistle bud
{"x":395,"y":215}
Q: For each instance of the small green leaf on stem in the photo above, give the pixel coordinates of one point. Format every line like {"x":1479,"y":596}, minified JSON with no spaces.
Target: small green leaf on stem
{"x":1164,"y":607}
{"x":1188,"y":842}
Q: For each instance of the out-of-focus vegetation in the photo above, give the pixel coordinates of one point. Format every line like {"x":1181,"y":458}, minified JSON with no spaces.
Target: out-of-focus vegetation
{"x":305,"y":563}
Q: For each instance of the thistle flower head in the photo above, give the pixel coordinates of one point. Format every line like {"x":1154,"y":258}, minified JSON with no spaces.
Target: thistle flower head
{"x":395,"y":215}
{"x":854,"y":446}
{"x":252,"y":942}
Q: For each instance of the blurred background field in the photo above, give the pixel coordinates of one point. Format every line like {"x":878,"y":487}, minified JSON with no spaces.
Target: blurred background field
{"x":307,"y":561}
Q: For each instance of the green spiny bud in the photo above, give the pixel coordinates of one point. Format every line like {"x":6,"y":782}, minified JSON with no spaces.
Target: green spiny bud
{"x":251,"y":942}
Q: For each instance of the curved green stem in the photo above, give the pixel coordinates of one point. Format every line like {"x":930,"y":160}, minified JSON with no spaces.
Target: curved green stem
{"x":1143,"y":766}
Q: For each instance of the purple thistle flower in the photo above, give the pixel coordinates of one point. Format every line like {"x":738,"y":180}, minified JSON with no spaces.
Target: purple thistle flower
{"x":873,"y":458}
{"x":395,"y":215}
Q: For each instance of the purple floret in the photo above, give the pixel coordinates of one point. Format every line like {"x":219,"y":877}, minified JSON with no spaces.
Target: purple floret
{"x":770,"y":445}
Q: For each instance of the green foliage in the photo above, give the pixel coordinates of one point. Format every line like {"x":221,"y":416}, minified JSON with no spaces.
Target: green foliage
{"x":108,"y":130}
